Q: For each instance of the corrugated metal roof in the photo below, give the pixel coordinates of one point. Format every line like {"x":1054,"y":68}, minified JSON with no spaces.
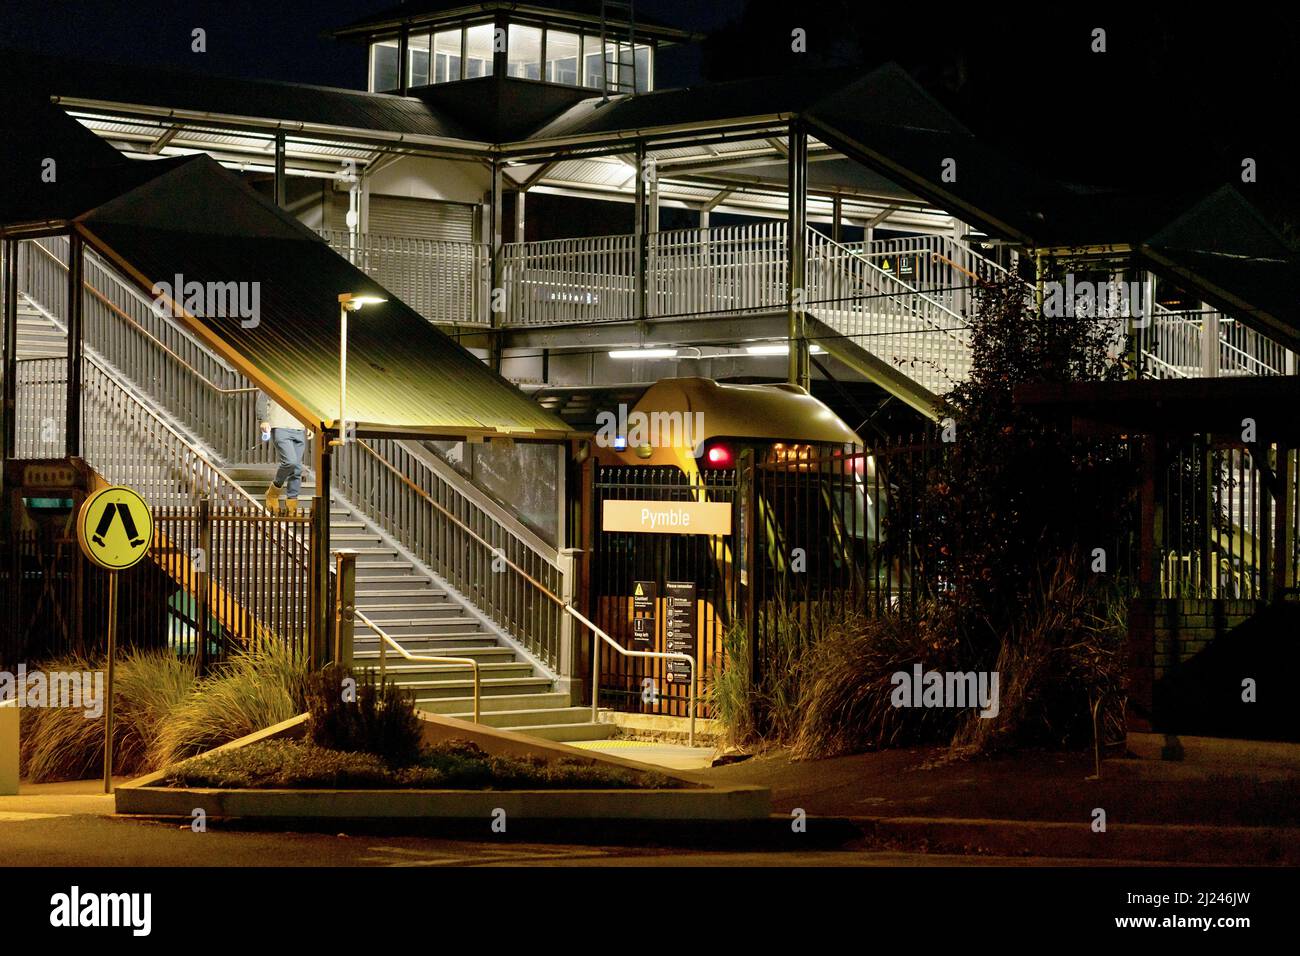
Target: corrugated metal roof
{"x":404,"y":376}
{"x":264,"y":99}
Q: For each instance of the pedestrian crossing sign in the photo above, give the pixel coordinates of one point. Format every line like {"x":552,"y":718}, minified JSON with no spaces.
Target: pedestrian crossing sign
{"x":115,"y":528}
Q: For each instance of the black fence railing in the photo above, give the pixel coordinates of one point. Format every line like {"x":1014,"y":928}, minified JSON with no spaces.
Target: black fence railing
{"x":215,"y":580}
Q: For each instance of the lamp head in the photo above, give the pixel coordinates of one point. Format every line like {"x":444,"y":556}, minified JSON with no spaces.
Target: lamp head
{"x":355,"y":301}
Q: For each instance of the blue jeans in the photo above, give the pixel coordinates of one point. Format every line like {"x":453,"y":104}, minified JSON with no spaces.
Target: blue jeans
{"x":290,"y":444}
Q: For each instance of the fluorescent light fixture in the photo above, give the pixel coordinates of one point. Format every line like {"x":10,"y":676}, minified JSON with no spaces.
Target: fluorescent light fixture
{"x":782,"y":348}
{"x":643,"y":353}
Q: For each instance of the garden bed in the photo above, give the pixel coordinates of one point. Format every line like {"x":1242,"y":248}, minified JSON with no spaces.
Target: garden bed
{"x":453,"y":765}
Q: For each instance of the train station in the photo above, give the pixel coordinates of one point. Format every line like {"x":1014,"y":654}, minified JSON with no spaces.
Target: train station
{"x":560,"y":397}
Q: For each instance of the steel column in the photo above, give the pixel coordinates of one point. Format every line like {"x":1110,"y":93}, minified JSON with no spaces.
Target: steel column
{"x":10,"y":437}
{"x":280,"y":196}
{"x":76,"y":345}
{"x":797,"y":217}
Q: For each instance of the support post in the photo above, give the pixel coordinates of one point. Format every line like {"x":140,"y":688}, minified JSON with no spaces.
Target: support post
{"x":320,"y":551}
{"x":837,"y":218}
{"x":521,"y":203}
{"x":497,"y":266}
{"x":345,"y":605}
{"x":1209,"y":341}
{"x":1148,"y":532}
{"x":201,"y":587}
{"x":1284,"y":576}
{"x":569,"y":632}
{"x":10,"y":348}
{"x":76,"y":340}
{"x":639,"y":231}
{"x":799,"y":371}
{"x":280,"y":195}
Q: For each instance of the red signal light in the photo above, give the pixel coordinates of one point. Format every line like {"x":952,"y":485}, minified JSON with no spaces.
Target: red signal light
{"x":719,"y":456}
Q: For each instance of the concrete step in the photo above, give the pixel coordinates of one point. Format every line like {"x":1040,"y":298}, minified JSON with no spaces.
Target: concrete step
{"x":462,"y":687}
{"x":383,"y":586}
{"x":489,"y":654}
{"x":369,"y":565}
{"x":508,"y":702}
{"x":366,"y":640}
{"x":418,"y":606}
{"x":567,"y":732}
{"x":429,"y":628}
{"x":539,"y":717}
{"x":412,"y":675}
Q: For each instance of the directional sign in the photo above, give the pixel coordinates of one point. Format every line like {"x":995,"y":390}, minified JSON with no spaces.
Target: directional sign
{"x":115,"y":528}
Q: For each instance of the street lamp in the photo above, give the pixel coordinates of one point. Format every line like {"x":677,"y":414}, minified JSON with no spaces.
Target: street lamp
{"x":348,"y":302}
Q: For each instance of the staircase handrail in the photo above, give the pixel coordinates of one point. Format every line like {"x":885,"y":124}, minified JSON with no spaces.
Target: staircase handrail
{"x":386,"y":641}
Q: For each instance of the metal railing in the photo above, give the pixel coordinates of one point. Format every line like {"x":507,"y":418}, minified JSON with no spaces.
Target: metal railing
{"x":122,"y":326}
{"x":446,"y":282}
{"x":377,"y":480}
{"x":724,"y":269}
{"x":1173,"y":344}
{"x":600,"y":636}
{"x":386,"y":641}
{"x":567,"y":281}
{"x":440,"y":518}
{"x":886,"y":316}
{"x":122,"y":438}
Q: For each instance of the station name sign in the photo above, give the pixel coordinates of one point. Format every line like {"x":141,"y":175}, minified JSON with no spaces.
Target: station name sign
{"x":667,"y":517}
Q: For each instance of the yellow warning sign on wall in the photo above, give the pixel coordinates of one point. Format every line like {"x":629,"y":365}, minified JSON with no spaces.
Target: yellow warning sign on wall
{"x":115,"y":528}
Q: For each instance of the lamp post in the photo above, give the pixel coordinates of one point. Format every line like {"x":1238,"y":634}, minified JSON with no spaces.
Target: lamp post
{"x":348,"y":302}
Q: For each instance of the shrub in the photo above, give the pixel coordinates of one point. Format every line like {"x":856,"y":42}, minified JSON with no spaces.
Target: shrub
{"x":61,"y":743}
{"x":1064,"y":652}
{"x":846,"y":705}
{"x":381,"y":720}
{"x":251,"y":691}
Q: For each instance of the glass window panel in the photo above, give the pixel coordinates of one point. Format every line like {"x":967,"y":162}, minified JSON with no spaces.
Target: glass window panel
{"x":645,"y":80}
{"x":446,"y":55}
{"x":384,"y":66}
{"x":478,"y":50}
{"x":417,"y":54}
{"x":524,"y":52}
{"x":591,"y":62}
{"x":562,"y":57}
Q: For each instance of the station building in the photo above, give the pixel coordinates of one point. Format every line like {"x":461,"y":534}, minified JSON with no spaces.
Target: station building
{"x":557,"y":236}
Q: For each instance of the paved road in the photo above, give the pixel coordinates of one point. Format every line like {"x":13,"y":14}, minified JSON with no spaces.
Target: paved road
{"x":85,"y":840}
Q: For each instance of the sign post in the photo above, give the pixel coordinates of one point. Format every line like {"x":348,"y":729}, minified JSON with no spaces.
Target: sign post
{"x":115,"y":531}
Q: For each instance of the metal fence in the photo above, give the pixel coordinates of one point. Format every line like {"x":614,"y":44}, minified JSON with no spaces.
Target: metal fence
{"x":122,"y":328}
{"x":215,"y":580}
{"x":504,"y":570}
{"x":445,"y":281}
{"x":568,"y":281}
{"x":1223,"y":522}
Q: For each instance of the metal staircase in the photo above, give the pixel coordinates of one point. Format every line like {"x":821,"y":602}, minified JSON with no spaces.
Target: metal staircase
{"x":155,"y":419}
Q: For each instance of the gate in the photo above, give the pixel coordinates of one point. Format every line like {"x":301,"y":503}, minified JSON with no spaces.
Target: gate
{"x":688,"y":584}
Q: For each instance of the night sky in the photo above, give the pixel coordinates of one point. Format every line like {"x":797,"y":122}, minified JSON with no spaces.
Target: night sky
{"x":1177,"y":100}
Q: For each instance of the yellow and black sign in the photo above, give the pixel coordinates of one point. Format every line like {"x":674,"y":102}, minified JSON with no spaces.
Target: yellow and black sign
{"x":115,"y":528}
